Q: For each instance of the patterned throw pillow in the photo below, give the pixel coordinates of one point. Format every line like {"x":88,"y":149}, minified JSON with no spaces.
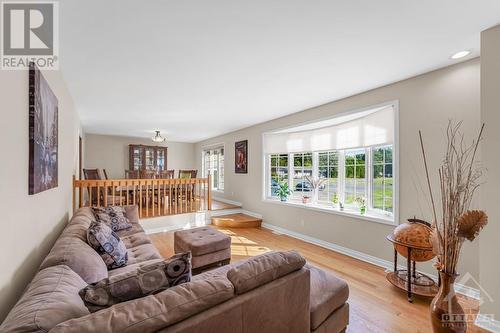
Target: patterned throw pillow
{"x":143,"y":281}
{"x":107,"y":243}
{"x":113,"y":216}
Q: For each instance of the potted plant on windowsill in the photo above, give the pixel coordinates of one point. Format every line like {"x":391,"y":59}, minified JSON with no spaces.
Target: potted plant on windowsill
{"x":283,"y":191}
{"x":335,"y":200}
{"x":362,"y":205}
{"x":306,"y":199}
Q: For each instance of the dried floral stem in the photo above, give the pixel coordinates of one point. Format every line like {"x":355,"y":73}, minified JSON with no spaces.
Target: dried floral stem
{"x":427,"y":175}
{"x":458,"y":181}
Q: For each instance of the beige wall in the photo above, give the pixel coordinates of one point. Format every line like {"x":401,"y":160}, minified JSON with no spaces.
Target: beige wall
{"x":425,"y":102}
{"x":111,"y":153}
{"x":489,"y":248}
{"x":30,"y":223}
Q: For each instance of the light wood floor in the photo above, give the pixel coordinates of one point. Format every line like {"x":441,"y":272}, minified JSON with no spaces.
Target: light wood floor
{"x":376,"y":306}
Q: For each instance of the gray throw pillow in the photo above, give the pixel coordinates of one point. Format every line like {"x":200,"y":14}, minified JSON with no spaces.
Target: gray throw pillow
{"x":143,"y":281}
{"x":113,"y":216}
{"x":107,"y":243}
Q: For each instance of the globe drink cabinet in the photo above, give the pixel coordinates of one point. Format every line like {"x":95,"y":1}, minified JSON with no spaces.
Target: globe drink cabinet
{"x":412,"y":241}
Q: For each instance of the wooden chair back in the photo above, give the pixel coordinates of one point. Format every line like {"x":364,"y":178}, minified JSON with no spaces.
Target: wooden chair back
{"x":188,"y":173}
{"x":132,"y":174}
{"x":105,"y":174}
{"x":148,"y":174}
{"x":167,"y":174}
{"x":92,"y":174}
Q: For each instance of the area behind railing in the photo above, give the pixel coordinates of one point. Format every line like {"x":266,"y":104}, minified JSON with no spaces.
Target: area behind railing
{"x":155,"y":197}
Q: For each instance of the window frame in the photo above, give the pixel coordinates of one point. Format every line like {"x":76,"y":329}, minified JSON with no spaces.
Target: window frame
{"x":372,"y":213}
{"x":221,"y":166}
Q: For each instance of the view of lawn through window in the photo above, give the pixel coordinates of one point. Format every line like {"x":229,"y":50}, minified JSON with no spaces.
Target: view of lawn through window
{"x":351,"y":176}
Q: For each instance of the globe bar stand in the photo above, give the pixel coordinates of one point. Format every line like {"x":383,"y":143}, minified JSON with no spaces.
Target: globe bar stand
{"x":413,"y":282}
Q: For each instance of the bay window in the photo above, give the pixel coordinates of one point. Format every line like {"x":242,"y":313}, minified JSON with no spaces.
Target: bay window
{"x":352,"y":156}
{"x":278,"y":172}
{"x":328,"y":169}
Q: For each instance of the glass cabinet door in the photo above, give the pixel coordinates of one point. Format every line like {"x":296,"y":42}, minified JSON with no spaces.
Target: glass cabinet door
{"x":150,"y":159}
{"x":160,"y":159}
{"x":137,"y":158}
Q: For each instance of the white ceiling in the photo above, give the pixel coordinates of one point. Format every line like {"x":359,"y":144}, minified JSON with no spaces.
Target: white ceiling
{"x":196,"y":69}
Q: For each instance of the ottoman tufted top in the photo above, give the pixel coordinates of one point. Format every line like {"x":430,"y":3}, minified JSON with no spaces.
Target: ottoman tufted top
{"x":200,"y":241}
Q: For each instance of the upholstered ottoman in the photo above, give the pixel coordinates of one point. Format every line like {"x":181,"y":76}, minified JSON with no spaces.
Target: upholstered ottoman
{"x":208,"y":247}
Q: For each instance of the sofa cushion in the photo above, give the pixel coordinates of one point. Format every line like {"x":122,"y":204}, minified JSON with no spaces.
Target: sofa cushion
{"x":142,"y":253}
{"x":113,"y":216}
{"x":143,"y":281}
{"x":263,"y":268}
{"x":154,"y":312}
{"x":79,"y":256}
{"x":134,"y":240}
{"x":50,"y":299}
{"x":107,"y":243}
{"x":132,"y":213}
{"x":201,"y":241}
{"x":328,"y":293}
{"x":135,"y":229}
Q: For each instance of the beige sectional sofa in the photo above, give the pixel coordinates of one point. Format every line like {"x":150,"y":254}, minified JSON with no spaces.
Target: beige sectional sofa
{"x":271,"y":293}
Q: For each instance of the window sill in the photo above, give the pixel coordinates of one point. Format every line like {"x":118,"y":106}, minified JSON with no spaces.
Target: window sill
{"x":218,"y":191}
{"x":368,"y":216}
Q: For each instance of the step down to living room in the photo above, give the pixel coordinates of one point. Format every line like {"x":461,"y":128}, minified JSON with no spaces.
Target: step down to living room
{"x":238,"y":220}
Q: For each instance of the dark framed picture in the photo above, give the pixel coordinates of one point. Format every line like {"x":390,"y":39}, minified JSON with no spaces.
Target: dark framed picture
{"x":241,"y":157}
{"x":43,"y":133}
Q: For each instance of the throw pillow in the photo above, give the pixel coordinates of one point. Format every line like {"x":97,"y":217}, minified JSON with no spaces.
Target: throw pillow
{"x":113,"y":216}
{"x":107,"y":243}
{"x":143,"y":281}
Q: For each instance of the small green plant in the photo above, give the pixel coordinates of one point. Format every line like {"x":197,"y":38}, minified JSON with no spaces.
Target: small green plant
{"x":362,"y":205}
{"x":283,"y":191}
{"x":335,"y":199}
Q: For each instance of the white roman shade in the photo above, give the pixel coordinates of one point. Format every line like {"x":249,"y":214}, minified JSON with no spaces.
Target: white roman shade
{"x":368,"y":128}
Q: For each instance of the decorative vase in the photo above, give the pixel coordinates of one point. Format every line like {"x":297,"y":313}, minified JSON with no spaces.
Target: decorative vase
{"x":305,"y":200}
{"x":447,"y":315}
{"x":362,"y":210}
{"x":283,"y":199}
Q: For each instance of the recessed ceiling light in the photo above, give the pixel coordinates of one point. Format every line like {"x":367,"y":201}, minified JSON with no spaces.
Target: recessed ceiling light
{"x":460,"y":54}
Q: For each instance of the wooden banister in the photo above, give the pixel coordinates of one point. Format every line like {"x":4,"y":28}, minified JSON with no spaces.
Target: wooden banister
{"x":154,"y":197}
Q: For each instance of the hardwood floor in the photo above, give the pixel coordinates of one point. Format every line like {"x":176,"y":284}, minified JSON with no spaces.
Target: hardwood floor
{"x":237,"y":221}
{"x":375,"y":305}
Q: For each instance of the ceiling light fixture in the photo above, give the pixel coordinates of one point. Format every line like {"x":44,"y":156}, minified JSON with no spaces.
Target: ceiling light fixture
{"x":460,"y":54}
{"x":158,"y":137}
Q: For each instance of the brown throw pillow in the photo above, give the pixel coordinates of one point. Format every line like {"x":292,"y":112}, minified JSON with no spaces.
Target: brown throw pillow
{"x":113,"y":216}
{"x":107,"y":243}
{"x":143,"y":281}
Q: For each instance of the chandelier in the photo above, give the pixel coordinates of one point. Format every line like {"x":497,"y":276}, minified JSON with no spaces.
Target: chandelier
{"x":158,"y":137}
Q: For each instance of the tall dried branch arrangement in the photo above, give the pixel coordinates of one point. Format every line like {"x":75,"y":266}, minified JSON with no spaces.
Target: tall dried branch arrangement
{"x":459,"y":176}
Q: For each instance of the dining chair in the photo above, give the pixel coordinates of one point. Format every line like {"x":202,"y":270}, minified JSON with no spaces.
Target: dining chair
{"x":148,"y":174}
{"x":132,"y":174}
{"x":94,"y":174}
{"x":167,"y":174}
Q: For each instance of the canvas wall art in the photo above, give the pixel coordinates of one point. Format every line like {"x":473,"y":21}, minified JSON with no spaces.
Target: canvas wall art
{"x":43,"y":134}
{"x":241,"y":156}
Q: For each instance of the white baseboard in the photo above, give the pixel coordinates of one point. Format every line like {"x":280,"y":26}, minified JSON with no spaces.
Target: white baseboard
{"x":462,"y":289}
{"x":487,"y":323}
{"x":230,"y":202}
{"x":249,"y":213}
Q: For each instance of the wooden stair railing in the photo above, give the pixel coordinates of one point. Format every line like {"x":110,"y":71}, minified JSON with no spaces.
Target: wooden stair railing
{"x":155,"y":197}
